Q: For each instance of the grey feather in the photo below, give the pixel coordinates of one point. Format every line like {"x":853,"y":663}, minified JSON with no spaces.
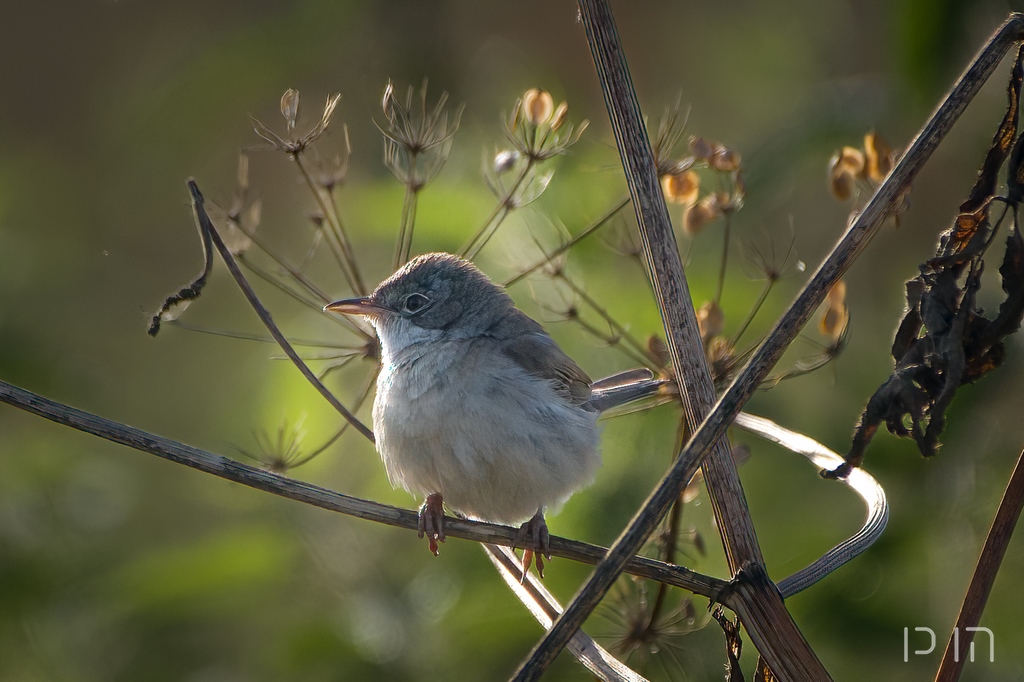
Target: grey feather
{"x":539,"y":355}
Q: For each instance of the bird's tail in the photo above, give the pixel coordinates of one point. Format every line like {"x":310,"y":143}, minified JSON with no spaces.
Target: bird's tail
{"x":628,"y":387}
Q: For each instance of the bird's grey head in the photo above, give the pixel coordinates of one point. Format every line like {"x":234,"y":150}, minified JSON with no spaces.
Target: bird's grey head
{"x":434,"y":296}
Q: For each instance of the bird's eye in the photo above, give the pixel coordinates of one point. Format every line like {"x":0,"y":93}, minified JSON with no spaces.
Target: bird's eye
{"x":415,"y":303}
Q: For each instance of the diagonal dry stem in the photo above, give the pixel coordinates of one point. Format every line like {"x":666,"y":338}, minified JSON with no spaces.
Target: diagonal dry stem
{"x":789,"y":651}
{"x":506,"y":203}
{"x":713,"y":427}
{"x":544,"y":607}
{"x":208,"y":230}
{"x":573,"y":241}
{"x":337,"y":237}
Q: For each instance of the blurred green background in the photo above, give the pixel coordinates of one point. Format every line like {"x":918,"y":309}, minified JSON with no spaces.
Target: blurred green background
{"x":118,"y":566}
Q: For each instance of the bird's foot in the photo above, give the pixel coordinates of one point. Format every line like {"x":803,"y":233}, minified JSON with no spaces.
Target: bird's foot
{"x":536,"y":542}
{"x":431,"y":522}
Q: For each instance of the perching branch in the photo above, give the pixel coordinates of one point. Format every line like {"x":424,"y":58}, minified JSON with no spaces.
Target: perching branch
{"x":300,"y":491}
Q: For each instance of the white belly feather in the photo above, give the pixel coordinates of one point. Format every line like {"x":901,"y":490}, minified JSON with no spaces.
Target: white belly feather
{"x":496,"y":449}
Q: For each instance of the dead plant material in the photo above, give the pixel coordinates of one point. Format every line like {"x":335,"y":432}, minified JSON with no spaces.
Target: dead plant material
{"x":733,"y":644}
{"x":945,"y":340}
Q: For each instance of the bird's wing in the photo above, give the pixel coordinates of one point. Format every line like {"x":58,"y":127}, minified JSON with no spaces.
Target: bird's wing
{"x":539,"y":355}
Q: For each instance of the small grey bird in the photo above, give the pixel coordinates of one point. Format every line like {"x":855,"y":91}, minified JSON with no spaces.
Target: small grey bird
{"x":477,"y":408}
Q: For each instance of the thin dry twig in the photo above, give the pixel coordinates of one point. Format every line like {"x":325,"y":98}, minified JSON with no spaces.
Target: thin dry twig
{"x":209,"y":232}
{"x":984,"y":576}
{"x":571,"y":242}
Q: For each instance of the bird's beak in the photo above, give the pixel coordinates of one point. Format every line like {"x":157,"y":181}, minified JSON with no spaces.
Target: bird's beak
{"x":356,"y":306}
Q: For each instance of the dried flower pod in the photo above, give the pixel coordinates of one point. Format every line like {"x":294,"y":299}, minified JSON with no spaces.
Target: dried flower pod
{"x":724,"y":159}
{"x":658,"y":349}
{"x":879,"y":157}
{"x":700,"y":147}
{"x":705,"y":211}
{"x":505,"y":160}
{"x":710,"y":320}
{"x":681,"y":188}
{"x":727,"y":203}
{"x":558,"y":118}
{"x":721,"y":357}
{"x":853,"y":159}
{"x":538,"y":106}
{"x":837,"y":315}
{"x":290,"y":107}
{"x":842,"y":179}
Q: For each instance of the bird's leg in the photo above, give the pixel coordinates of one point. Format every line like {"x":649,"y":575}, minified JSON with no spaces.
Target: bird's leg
{"x":431,"y":521}
{"x":536,"y":542}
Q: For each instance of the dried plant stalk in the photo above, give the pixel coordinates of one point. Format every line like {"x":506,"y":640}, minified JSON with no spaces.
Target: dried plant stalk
{"x":786,"y":649}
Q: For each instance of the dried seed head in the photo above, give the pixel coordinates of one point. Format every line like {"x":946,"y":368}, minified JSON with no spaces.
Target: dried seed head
{"x":290,"y":107}
{"x":837,"y":294}
{"x":558,"y":118}
{"x":705,"y":211}
{"x":837,"y":315}
{"x":681,"y":188}
{"x":538,"y":106}
{"x":724,"y":159}
{"x":710,"y":320}
{"x":726,"y":203}
{"x":700,"y":147}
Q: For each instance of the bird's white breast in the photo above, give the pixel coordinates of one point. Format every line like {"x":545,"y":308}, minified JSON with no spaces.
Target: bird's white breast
{"x":464,"y":420}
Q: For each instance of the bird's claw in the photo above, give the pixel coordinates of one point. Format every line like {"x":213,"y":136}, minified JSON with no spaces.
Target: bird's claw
{"x":536,"y":542}
{"x":431,"y":521}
